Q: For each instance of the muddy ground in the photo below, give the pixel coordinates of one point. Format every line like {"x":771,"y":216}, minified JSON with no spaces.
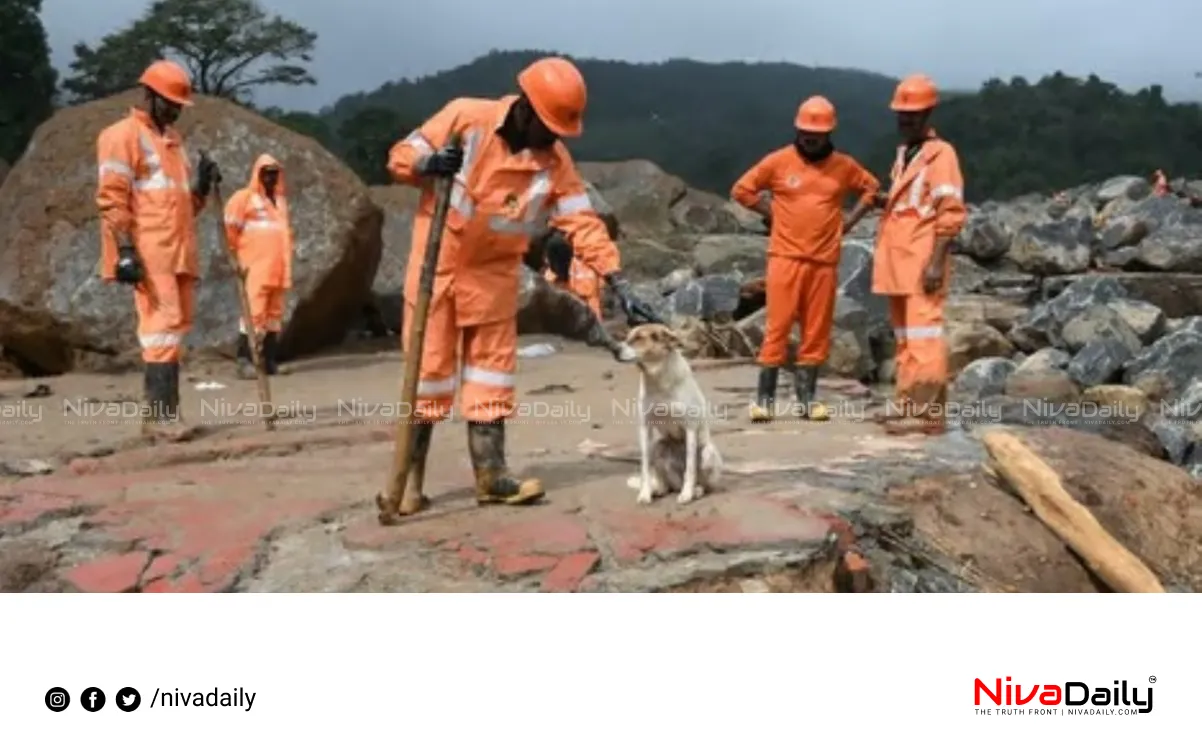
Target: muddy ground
{"x":833,"y":506}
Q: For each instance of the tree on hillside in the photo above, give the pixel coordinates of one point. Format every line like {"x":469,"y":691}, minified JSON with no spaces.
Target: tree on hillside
{"x":365,"y":139}
{"x":27,"y":79}
{"x":230,"y":47}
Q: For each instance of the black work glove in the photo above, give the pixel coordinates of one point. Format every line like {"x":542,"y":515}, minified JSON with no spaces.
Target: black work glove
{"x":207,"y":175}
{"x":636,"y":310}
{"x":446,"y":161}
{"x":558,"y":253}
{"x":129,"y":268}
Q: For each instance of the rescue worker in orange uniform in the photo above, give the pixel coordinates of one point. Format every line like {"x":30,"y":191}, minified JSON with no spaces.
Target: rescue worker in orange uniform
{"x":568,"y":271}
{"x":260,"y":235}
{"x":512,"y":177}
{"x":808,"y":182}
{"x":923,"y":213}
{"x":1160,"y":184}
{"x":148,"y":203}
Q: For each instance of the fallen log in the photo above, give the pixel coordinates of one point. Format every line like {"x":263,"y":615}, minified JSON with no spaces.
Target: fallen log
{"x":1041,"y":489}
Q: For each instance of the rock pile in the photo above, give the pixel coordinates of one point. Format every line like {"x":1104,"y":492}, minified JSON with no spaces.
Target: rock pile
{"x":1096,"y":315}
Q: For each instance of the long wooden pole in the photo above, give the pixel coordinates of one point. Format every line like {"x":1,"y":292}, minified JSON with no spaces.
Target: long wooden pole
{"x":393,"y":504}
{"x":1040,"y":486}
{"x":256,"y":342}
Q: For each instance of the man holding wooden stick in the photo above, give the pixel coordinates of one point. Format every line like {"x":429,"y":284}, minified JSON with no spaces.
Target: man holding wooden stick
{"x":512,"y":176}
{"x":258,"y":231}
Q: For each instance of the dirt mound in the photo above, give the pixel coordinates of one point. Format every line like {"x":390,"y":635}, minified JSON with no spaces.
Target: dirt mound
{"x":52,"y":303}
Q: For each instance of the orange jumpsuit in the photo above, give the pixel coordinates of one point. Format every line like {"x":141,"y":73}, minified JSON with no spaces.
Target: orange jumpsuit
{"x":583,"y":282}
{"x":803,"y":250}
{"x":260,"y":235}
{"x":144,"y":193}
{"x":926,"y":201}
{"x":499,"y":201}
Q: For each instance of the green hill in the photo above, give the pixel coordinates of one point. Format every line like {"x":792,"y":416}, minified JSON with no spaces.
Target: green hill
{"x":704,"y":122}
{"x":708,"y":122}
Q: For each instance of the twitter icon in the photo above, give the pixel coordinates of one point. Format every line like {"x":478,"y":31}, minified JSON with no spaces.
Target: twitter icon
{"x":128,"y":699}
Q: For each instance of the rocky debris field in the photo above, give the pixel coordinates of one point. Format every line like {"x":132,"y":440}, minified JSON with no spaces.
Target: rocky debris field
{"x":828,"y":507}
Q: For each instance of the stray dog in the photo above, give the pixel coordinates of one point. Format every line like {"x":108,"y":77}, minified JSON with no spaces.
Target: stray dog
{"x":674,"y":437}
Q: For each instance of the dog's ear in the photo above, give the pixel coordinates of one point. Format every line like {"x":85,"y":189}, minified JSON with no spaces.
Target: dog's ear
{"x":673,"y":339}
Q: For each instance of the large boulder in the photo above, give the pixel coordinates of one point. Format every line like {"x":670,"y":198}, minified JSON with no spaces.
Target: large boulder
{"x":640,"y":194}
{"x":399,"y":205}
{"x":1053,"y":248}
{"x":52,"y":302}
{"x":648,"y":202}
{"x":4,"y":168}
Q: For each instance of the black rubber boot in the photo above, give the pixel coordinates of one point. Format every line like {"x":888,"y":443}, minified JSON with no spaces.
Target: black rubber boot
{"x":494,"y":483}
{"x":805,"y":388}
{"x":246,"y":365}
{"x":762,"y":410}
{"x":156,"y":380}
{"x":271,"y":353}
{"x":161,"y":416}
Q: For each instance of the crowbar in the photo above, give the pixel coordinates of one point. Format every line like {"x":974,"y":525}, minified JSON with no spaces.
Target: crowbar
{"x":256,"y":342}
{"x":390,"y":503}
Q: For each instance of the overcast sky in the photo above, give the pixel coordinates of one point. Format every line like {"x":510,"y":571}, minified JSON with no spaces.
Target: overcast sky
{"x":363,"y":43}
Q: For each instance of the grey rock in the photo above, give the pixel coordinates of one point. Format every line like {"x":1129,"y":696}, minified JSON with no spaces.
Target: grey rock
{"x":984,"y":239}
{"x":1174,"y":436}
{"x":1186,"y":407}
{"x":1144,"y":318}
{"x":984,"y":378}
{"x":1043,"y":324}
{"x":1050,"y":249}
{"x":1129,"y":186}
{"x":1166,"y":368}
{"x":1099,"y":362}
{"x":1097,"y":323}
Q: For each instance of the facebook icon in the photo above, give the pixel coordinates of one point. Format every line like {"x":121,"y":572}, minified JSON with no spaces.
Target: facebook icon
{"x":92,"y":699}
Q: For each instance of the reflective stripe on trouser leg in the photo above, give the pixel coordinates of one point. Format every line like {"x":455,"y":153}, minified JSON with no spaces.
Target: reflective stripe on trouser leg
{"x":437,"y":379}
{"x":163,"y":303}
{"x":816,"y":312}
{"x":490,"y":360}
{"x":783,"y":293}
{"x":922,"y":364}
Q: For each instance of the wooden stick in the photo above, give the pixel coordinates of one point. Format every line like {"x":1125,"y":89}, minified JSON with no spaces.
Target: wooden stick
{"x":256,"y":343}
{"x":393,"y":503}
{"x":1040,"y":486}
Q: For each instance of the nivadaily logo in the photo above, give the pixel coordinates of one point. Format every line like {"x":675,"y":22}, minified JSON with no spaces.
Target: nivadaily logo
{"x":1068,"y":698}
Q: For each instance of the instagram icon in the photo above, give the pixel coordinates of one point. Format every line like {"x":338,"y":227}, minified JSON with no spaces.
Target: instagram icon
{"x":57,"y":699}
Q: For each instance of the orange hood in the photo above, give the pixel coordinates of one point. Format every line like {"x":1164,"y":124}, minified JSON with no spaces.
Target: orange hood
{"x":256,"y":184}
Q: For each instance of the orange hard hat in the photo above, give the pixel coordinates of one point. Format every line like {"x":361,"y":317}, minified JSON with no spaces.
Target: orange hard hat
{"x":915,"y":93}
{"x":169,"y":80}
{"x":816,"y":114}
{"x":557,"y":92}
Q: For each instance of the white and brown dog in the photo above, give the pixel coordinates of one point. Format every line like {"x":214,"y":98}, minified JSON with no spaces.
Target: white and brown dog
{"x":677,"y":453}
